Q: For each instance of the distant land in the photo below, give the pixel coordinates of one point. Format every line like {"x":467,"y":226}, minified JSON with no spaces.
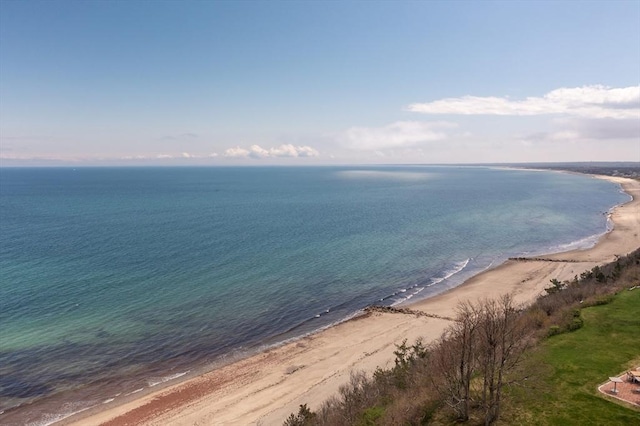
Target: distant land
{"x":629,"y":169}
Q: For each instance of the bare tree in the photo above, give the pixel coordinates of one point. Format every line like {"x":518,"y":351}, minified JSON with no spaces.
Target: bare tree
{"x":454,"y":359}
{"x":468,"y":322}
{"x":503,"y":337}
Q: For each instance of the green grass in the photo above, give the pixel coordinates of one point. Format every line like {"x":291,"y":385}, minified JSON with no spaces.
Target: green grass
{"x":565,"y":370}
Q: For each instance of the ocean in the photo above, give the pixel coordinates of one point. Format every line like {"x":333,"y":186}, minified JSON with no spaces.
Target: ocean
{"x":114,"y":280}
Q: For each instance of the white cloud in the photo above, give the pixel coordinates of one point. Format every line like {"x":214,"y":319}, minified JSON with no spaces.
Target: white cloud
{"x":236,"y":152}
{"x":285,"y":151}
{"x":290,"y":150}
{"x":306,"y":151}
{"x":587,"y":101}
{"x":172,"y":157}
{"x":401,"y":134}
{"x":256,"y":151}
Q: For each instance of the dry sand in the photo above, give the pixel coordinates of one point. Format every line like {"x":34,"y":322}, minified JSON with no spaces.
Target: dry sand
{"x":265,"y":388}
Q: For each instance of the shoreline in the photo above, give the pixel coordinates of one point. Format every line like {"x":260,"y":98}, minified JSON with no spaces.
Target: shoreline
{"x":266,"y":387}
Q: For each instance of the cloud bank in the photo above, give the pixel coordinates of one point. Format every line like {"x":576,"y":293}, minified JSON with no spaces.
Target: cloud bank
{"x":256,"y":151}
{"x":401,"y":134}
{"x":588,"y":101}
{"x":581,"y":129}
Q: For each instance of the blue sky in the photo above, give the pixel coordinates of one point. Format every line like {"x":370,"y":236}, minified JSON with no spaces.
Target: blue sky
{"x":302,"y":82}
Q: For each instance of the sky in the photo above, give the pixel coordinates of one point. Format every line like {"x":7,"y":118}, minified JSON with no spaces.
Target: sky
{"x":318,"y":82}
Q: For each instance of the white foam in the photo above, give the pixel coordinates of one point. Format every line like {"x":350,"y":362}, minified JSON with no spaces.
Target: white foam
{"x":458,"y":267}
{"x":51,"y":419}
{"x":135,"y":391}
{"x":583,"y":243}
{"x":165,"y":379}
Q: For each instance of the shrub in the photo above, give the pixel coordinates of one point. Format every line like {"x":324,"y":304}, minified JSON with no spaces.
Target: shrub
{"x":305,"y":417}
{"x":554,"y":330}
{"x":575,"y":324}
{"x":538,"y":317}
{"x":600,"y":300}
{"x":371,"y":415}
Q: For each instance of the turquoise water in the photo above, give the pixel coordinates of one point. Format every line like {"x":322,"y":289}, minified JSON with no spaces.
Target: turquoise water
{"x":113,"y":279}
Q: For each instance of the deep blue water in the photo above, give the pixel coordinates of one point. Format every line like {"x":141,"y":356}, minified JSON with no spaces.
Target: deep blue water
{"x":112,"y":279}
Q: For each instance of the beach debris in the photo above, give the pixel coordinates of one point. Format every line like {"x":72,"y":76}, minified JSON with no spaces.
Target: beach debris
{"x":406,"y":311}
{"x":293,"y":368}
{"x":542,"y":259}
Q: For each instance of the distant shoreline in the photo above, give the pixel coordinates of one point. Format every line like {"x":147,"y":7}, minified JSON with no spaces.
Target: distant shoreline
{"x":271,"y":384}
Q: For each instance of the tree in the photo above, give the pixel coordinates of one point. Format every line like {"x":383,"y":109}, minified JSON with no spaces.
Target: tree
{"x":557,"y":286}
{"x":597,"y":273}
{"x":305,"y":417}
{"x":455,"y":359}
{"x":503,"y":337}
{"x":406,"y":358}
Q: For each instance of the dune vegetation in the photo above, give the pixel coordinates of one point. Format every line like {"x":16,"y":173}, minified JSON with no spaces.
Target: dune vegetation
{"x":499,"y":363}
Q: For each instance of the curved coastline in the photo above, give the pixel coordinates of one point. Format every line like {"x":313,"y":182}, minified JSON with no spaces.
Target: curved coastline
{"x":269,"y":385}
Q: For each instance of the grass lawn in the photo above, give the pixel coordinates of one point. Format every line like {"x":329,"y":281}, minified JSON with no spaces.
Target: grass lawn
{"x":565,"y":370}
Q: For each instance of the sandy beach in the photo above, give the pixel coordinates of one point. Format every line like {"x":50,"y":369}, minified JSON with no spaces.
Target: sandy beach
{"x":265,"y":388}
